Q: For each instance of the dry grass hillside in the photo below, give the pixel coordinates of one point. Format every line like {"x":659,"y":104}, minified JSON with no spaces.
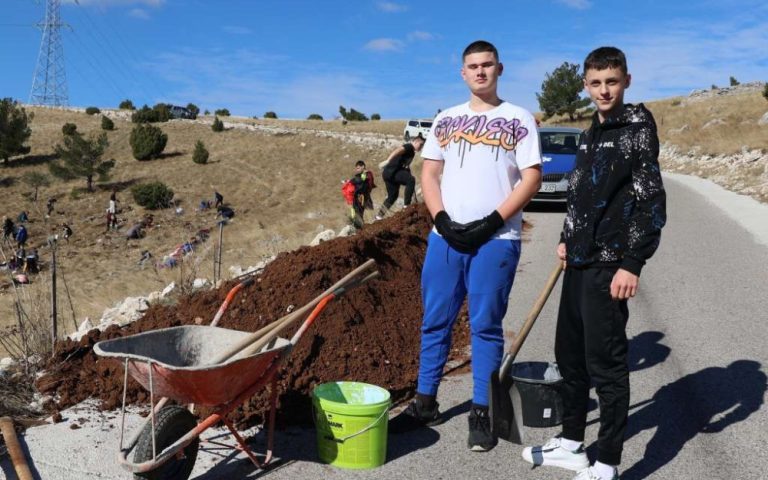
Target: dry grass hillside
{"x":713,"y":126}
{"x":284,"y":187}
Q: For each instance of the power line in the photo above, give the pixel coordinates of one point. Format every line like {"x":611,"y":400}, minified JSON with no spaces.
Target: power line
{"x":110,"y":48}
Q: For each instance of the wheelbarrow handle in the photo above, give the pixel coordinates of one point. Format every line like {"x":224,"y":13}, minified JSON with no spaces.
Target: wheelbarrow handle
{"x":509,"y":357}
{"x":264,"y":340}
{"x":230,"y":296}
{"x":275,"y":327}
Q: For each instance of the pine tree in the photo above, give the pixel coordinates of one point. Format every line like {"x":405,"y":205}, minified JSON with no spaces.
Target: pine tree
{"x":80,"y":157}
{"x":14,"y":129}
{"x":36,"y":180}
{"x":560,"y":92}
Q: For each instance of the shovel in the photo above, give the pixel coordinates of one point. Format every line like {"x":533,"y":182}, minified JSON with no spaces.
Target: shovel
{"x":505,"y":406}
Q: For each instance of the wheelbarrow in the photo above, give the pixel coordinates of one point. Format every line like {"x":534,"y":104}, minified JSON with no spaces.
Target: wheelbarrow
{"x":209,"y":366}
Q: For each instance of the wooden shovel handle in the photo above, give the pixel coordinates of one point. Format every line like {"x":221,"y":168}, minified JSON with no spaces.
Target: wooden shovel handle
{"x":530,"y":320}
{"x":18,"y":459}
{"x":281,"y":323}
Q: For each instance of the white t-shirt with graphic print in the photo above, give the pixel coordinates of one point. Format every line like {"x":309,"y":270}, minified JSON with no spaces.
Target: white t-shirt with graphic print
{"x":483,"y":154}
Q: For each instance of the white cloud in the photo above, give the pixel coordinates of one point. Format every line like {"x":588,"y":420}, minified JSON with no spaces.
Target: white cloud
{"x":384,"y":45}
{"x":237,"y":30}
{"x":391,"y":7}
{"x":420,"y":35}
{"x":139,"y":13}
{"x":577,"y":4}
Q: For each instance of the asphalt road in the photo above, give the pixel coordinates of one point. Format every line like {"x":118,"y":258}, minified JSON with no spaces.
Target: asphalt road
{"x":698,"y":341}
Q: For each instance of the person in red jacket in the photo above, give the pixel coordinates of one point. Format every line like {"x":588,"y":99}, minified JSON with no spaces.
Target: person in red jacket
{"x":357,"y":193}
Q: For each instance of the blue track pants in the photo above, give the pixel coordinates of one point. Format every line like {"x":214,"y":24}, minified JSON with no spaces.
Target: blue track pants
{"x":447,"y":277}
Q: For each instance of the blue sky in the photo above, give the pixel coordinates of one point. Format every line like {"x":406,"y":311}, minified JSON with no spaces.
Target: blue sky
{"x":396,"y":58}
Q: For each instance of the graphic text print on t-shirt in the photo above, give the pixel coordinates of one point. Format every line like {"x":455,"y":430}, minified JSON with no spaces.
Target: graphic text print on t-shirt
{"x":499,"y":133}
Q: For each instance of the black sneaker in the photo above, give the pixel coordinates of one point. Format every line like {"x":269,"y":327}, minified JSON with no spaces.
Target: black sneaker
{"x":481,"y":438}
{"x":415,"y":416}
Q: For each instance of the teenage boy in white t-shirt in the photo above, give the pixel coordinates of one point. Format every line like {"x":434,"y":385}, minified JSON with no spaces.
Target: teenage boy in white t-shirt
{"x":482,"y":165}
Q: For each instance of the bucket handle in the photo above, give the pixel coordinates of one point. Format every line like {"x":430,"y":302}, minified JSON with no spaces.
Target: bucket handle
{"x":344,"y":439}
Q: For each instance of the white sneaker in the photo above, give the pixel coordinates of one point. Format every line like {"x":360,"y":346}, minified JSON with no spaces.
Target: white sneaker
{"x":554,"y":455}
{"x":590,"y":474}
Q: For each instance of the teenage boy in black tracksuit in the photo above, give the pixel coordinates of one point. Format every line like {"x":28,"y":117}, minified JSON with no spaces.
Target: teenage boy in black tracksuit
{"x":398,"y":172}
{"x":616,"y":209}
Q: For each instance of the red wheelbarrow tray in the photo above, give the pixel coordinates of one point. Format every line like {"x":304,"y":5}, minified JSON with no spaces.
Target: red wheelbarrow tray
{"x":180,"y":361}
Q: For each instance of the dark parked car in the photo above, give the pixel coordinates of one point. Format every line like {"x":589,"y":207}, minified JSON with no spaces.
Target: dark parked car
{"x":558,"y":154}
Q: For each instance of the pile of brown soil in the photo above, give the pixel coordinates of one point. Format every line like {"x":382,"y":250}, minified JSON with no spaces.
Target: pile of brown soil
{"x":370,"y":335}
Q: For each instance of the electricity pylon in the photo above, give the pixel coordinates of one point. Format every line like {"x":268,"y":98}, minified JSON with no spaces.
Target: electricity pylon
{"x":49,"y":84}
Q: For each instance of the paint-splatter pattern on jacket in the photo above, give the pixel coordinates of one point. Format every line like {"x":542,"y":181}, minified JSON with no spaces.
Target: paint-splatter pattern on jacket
{"x":616,"y":199}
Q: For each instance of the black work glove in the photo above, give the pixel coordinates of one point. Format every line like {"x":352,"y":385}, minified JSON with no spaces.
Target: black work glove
{"x":452,"y":232}
{"x":476,"y":233}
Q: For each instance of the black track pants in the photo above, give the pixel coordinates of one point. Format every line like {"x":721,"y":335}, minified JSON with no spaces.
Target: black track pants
{"x":401,"y":177}
{"x":591,"y":344}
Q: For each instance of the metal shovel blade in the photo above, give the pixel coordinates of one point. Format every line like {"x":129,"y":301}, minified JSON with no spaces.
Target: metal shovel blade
{"x":505,"y":409}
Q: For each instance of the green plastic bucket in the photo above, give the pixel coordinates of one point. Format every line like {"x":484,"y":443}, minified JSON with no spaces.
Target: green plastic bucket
{"x":351,"y":422}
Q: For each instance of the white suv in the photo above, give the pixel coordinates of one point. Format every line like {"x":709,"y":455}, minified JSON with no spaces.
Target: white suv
{"x":417,"y":128}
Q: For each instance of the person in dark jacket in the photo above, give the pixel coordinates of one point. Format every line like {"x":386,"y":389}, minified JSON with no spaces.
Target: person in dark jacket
{"x":357,"y":193}
{"x":21,"y":236}
{"x":616,"y":210}
{"x":397,"y":172}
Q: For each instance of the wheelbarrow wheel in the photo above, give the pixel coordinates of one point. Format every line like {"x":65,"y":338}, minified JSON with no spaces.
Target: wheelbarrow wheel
{"x":172,"y":423}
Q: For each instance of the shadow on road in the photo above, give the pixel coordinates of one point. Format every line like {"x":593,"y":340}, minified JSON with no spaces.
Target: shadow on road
{"x":704,"y":402}
{"x":296,"y":444}
{"x":646,"y":351}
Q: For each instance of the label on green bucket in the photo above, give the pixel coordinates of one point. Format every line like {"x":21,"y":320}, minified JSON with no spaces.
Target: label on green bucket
{"x":351,"y":422}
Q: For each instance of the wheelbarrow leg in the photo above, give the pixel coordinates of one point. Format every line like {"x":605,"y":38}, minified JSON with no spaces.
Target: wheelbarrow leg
{"x":270,"y":430}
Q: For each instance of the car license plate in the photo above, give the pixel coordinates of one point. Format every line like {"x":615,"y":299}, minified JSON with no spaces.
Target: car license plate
{"x":548,"y":187}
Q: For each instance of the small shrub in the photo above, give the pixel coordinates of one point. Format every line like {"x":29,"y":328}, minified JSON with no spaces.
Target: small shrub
{"x":222,"y":112}
{"x":733,"y":81}
{"x":200,"y":154}
{"x":270,"y":115}
{"x":152,"y":195}
{"x":714,"y":87}
{"x":194,"y":110}
{"x":159,"y":113}
{"x":765,"y":91}
{"x":314,"y":116}
{"x":92,"y":111}
{"x":375,"y":116}
{"x":218,"y":125}
{"x":126,"y":105}
{"x":206,"y":112}
{"x":107,"y":123}
{"x":69,"y":128}
{"x":676,"y":103}
{"x":163,"y":112}
{"x":147,"y":141}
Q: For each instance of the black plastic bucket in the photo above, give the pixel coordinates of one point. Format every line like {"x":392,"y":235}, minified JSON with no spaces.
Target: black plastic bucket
{"x":541,"y":400}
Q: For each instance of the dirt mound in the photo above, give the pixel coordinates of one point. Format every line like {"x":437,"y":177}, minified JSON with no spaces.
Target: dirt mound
{"x":371,"y":335}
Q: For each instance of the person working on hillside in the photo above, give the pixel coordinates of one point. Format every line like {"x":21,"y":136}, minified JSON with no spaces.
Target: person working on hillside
{"x":357,"y":193}
{"x":21,"y":236}
{"x":397,"y":172}
{"x":66,"y":231}
{"x":8,"y":229}
{"x":218,"y":199}
{"x":616,"y":210}
{"x":112,"y":212}
{"x":476,"y":196}
{"x":49,"y":205}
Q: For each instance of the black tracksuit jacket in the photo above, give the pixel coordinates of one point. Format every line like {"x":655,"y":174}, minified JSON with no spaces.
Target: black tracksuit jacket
{"x":616,"y":199}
